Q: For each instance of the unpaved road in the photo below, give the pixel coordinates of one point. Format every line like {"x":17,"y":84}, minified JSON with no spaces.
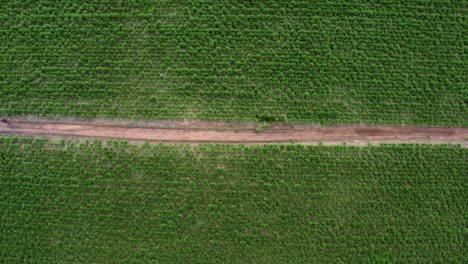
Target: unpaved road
{"x":351,"y":134}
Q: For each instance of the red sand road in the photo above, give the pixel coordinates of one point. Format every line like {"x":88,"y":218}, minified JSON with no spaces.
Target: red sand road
{"x":353,"y":134}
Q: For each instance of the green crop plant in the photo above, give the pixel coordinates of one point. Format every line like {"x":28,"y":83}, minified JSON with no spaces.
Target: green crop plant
{"x":398,"y":62}
{"x":114,"y":202}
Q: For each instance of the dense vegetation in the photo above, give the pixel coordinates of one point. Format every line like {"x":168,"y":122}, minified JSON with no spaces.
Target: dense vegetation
{"x":114,"y":202}
{"x":302,"y":61}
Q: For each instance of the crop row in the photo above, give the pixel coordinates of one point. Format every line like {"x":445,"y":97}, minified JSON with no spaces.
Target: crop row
{"x":399,"y":62}
{"x":116,"y":202}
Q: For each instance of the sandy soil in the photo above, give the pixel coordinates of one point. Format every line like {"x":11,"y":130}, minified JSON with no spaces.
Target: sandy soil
{"x":185,"y":131}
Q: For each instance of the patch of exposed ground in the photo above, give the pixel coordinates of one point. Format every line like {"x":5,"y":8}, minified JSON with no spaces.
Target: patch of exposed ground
{"x":248,"y":133}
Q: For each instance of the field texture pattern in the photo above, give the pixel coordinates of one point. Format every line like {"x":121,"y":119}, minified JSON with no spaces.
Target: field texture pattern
{"x":394,"y":62}
{"x":111,"y":202}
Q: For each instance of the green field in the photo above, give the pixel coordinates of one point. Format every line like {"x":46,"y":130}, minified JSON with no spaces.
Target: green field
{"x":112,"y":202}
{"x":394,"y":62}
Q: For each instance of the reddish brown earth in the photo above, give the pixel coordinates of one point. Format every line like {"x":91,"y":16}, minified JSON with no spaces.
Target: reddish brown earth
{"x":219,"y":132}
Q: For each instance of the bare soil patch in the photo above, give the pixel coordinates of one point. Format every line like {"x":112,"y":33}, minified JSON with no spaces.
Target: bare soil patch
{"x":222,"y":132}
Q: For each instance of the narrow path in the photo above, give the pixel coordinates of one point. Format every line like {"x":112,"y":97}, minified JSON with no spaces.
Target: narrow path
{"x":351,"y":134}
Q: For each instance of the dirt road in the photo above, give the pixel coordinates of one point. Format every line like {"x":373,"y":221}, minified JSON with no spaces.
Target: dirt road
{"x":181,"y":132}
